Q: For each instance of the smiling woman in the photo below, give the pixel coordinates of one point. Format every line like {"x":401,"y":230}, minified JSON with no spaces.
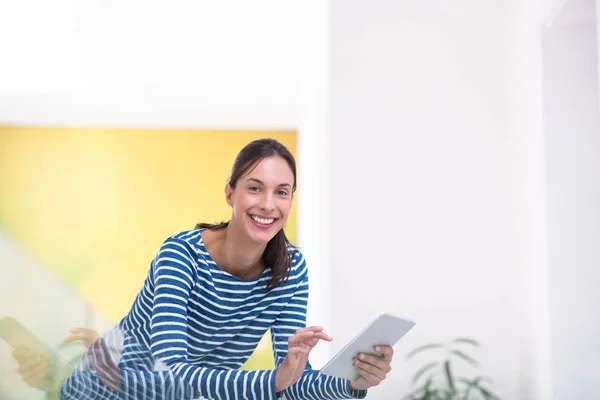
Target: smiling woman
{"x":260,"y":192}
{"x":210,"y":296}
{"x":89,"y":205}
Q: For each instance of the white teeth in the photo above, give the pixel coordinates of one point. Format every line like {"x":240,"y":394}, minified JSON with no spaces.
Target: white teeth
{"x":263,"y":221}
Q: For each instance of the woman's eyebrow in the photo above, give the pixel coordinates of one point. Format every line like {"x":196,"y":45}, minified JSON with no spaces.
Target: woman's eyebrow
{"x":262,"y":183}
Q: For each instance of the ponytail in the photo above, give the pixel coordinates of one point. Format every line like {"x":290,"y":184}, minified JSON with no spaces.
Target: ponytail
{"x":277,"y":256}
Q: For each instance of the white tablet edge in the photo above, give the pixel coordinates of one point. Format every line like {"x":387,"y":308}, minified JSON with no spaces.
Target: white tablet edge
{"x":355,"y":338}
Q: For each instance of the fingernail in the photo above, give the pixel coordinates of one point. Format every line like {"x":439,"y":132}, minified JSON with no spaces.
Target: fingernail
{"x":377,"y":348}
{"x":361,"y":356}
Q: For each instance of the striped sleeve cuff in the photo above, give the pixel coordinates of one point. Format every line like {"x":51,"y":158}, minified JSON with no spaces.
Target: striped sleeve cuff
{"x":355,"y":394}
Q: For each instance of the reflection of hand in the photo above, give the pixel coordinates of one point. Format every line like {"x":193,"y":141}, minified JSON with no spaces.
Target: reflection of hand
{"x":372,"y":369}
{"x":88,"y":336}
{"x":34,"y":368}
{"x":299,"y":348}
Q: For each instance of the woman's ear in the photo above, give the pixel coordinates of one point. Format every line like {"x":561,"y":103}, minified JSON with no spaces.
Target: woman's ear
{"x":228,"y":194}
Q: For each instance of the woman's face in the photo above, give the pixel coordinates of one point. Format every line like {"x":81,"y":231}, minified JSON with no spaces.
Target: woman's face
{"x":262,"y":199}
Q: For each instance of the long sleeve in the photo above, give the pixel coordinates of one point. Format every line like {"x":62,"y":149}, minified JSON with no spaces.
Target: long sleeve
{"x":173,"y":276}
{"x":312,"y":384}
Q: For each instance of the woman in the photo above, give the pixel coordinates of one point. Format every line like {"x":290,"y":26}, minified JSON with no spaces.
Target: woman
{"x":212,"y":293}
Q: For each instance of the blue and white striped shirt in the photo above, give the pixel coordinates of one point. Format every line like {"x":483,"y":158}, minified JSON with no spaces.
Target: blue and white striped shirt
{"x":193,"y":325}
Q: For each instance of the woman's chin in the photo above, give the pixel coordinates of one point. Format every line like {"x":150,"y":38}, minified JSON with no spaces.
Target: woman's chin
{"x":262,"y":235}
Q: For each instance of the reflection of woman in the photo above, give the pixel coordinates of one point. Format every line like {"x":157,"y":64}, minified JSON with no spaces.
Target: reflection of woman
{"x":212,"y":293}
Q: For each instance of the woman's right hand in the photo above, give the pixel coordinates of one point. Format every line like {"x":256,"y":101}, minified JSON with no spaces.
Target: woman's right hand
{"x":34,"y":368}
{"x":299,"y":348}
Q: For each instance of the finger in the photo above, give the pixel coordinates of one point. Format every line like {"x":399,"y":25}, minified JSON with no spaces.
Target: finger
{"x":39,"y":373}
{"x":72,"y":338}
{"x":311,"y":328}
{"x":317,"y":337}
{"x":31,"y":362}
{"x":370,"y":369}
{"x":35,"y":371}
{"x":377,"y":362}
{"x":323,"y":336}
{"x":387,"y":352}
{"x":307,"y":336}
{"x":28,"y":368}
{"x":21,"y":354}
{"x":300,"y":336}
{"x":314,"y":339}
{"x":77,"y":330}
{"x":311,"y":342}
{"x":84,"y":332}
{"x":371,"y":379}
{"x":299,"y":349}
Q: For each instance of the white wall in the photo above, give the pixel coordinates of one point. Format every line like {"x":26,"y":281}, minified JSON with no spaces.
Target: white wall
{"x":437,"y":146}
{"x":421,"y":216}
{"x":572,"y":119}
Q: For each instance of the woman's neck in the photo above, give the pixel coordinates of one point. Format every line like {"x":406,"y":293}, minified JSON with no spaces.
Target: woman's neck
{"x":235,"y":254}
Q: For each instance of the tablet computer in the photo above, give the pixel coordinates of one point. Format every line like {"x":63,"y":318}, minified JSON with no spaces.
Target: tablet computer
{"x":17,"y":335}
{"x":384,"y":330}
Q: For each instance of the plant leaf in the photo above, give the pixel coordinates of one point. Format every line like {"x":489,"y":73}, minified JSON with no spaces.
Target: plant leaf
{"x":466,"y":340}
{"x":476,"y":381}
{"x":465,"y":357}
{"x":424,"y":369}
{"x":424,"y":347}
{"x":428,"y":384}
{"x":432,"y":394}
{"x":471,"y":384}
{"x":467,"y":391}
{"x":449,"y":377}
{"x":418,"y":394}
{"x":445,"y":395}
{"x":424,"y":392}
{"x":487,"y":394}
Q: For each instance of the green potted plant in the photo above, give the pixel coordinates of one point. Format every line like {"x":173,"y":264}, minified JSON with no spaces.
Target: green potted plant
{"x":436,"y":380}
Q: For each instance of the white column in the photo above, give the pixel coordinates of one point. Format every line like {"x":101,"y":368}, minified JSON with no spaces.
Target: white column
{"x":313,"y":171}
{"x":526,"y":133}
{"x":572,"y":162}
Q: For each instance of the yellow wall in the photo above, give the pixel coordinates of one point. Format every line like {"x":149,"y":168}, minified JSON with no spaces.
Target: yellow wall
{"x":94,"y":204}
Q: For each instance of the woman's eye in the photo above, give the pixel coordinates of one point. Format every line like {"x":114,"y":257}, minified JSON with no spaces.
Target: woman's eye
{"x":282,"y":193}
{"x":254,"y":189}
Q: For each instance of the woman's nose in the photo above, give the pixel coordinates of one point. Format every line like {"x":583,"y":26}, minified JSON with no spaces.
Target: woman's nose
{"x":266,"y":202}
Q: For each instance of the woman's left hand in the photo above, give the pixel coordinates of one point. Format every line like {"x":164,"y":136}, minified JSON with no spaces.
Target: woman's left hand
{"x":372,"y":369}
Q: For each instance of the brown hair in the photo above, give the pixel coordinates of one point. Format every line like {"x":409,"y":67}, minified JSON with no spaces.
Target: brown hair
{"x":276,"y":254}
